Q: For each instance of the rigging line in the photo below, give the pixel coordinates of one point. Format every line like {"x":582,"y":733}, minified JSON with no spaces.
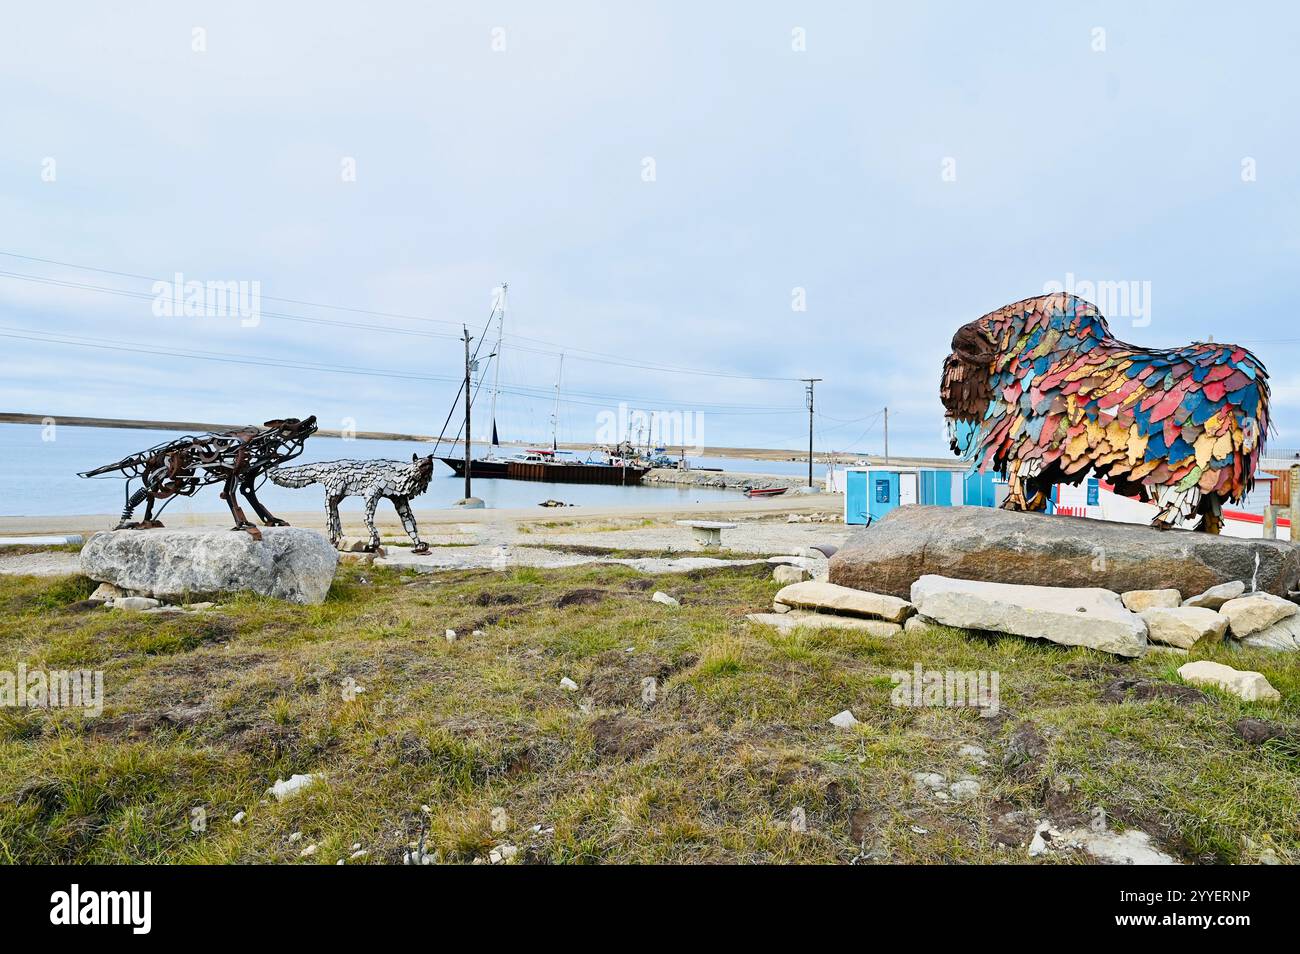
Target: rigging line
{"x":362,"y":311}
{"x":283,"y":316}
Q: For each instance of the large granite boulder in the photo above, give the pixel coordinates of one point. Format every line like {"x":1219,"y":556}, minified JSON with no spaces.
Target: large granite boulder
{"x":1034,"y":549}
{"x":287,"y":563}
{"x":1071,"y":616}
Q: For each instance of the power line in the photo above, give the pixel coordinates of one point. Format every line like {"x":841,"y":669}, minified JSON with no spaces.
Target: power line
{"x":83,"y":341}
{"x":583,"y":354}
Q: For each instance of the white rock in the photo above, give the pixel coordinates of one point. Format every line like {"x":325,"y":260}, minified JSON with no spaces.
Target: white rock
{"x":665,"y":599}
{"x":1247,"y":685}
{"x":973,"y":752}
{"x":931,"y":780}
{"x":477,"y":632}
{"x":798,"y":820}
{"x":1283,"y":636}
{"x":136,"y":603}
{"x":843,"y":720}
{"x":568,"y":685}
{"x":307,"y":852}
{"x":239,"y":818}
{"x":802,"y":619}
{"x":964,"y":789}
{"x":200,"y":607}
{"x":107,"y":592}
{"x":501,"y":854}
{"x":918,"y":623}
{"x":1071,"y":616}
{"x":284,"y":789}
{"x":1256,"y":612}
{"x":833,"y":598}
{"x":1184,"y":626}
{"x":1139,"y":600}
{"x":295,"y":837}
{"x":790,"y":574}
{"x":358,"y":854}
{"x":780,"y":608}
{"x":500,"y":820}
{"x":450,"y":635}
{"x":288,"y":563}
{"x":1216,"y":596}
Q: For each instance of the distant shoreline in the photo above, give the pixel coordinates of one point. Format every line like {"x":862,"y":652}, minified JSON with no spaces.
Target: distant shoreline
{"x":747,"y":453}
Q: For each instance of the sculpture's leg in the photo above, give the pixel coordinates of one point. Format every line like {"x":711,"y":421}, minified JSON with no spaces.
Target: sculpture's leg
{"x":1015,"y":499}
{"x":149,"y":522}
{"x":268,"y":518}
{"x":1176,"y":506}
{"x":372,"y":501}
{"x":403,"y":507}
{"x":232,"y":501}
{"x":132,"y":501}
{"x":1211,"y":514}
{"x":332,"y":502}
{"x":1025,"y":493}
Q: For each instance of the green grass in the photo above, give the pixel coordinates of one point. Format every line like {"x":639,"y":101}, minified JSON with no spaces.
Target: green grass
{"x":205,"y":711}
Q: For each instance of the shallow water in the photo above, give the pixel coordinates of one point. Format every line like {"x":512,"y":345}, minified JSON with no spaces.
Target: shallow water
{"x":38,"y":476}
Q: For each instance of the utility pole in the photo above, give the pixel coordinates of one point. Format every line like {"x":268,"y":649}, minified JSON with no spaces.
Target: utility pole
{"x":886,"y":435}
{"x":467,"y":340}
{"x":811,"y":382}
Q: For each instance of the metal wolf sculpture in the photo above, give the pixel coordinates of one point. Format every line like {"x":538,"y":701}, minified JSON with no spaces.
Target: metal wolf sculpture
{"x":1040,"y":392}
{"x":372,"y":480}
{"x":235,"y":459}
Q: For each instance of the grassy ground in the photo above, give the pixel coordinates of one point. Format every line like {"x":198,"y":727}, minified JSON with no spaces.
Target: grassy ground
{"x":204,"y":711}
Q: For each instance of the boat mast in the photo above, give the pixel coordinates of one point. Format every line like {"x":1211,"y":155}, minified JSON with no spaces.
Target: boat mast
{"x":496,"y":368}
{"x":555,"y":417}
{"x":467,"y":340}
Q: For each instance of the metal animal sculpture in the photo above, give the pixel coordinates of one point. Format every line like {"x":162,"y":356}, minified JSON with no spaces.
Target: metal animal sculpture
{"x":235,"y":459}
{"x":1040,"y":392}
{"x":372,"y":480}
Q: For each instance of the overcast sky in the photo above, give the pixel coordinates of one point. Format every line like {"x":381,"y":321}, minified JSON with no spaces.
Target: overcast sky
{"x":665,"y":183}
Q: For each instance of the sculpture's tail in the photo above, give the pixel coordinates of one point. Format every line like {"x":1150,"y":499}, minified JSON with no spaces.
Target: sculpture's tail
{"x":294,"y":476}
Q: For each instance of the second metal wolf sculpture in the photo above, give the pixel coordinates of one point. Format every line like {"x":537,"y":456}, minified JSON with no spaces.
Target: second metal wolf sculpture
{"x":371,"y":480}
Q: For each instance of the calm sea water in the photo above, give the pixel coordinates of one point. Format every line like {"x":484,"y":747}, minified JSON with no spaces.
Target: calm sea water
{"x":38,"y":477}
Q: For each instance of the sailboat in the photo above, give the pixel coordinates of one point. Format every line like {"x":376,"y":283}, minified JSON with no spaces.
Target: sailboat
{"x":537,"y":463}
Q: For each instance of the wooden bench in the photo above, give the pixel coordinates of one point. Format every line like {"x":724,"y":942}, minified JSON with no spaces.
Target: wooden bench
{"x":707,"y":533}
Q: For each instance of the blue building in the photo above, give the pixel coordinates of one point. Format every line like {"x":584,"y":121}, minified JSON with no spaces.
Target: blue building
{"x":871,"y":492}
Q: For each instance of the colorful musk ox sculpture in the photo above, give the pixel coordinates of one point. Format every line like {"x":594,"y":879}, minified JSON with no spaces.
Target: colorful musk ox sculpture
{"x":1040,"y":392}
{"x":234,"y":459}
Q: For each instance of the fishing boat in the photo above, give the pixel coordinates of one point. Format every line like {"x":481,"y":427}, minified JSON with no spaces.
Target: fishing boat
{"x":765,"y":491}
{"x":540,"y":464}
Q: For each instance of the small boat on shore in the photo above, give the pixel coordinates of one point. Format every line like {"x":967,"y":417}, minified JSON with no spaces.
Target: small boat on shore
{"x":765,"y":491}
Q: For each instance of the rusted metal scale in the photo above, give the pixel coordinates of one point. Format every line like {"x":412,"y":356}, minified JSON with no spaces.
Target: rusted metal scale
{"x":236,"y":459}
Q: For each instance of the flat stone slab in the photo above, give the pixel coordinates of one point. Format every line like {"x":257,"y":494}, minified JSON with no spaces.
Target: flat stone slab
{"x":288,"y":563}
{"x":1071,"y":616}
{"x":1281,"y":637}
{"x":980,"y":543}
{"x":1256,"y":612}
{"x":802,"y":619}
{"x":830,"y":598}
{"x":706,"y":525}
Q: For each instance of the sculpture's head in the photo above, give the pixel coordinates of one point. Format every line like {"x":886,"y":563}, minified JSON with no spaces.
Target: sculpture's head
{"x":291,"y":428}
{"x":423,"y":470}
{"x":966,"y":389}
